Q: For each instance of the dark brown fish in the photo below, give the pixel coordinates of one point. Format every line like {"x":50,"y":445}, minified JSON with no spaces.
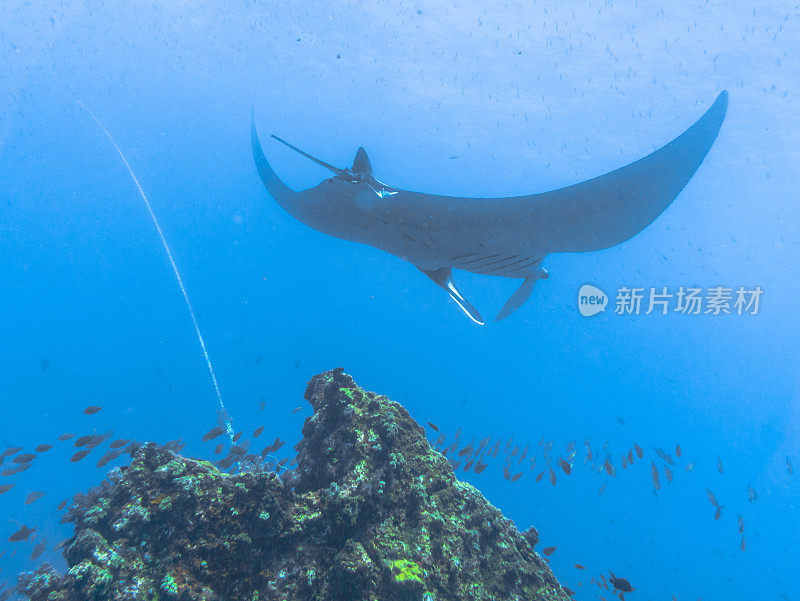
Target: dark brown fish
{"x":295,"y":410}
{"x":237,"y":436}
{"x":258,"y":431}
{"x":678,"y":450}
{"x":602,"y":489}
{"x":121,"y":442}
{"x":43,"y":447}
{"x":38,"y":550}
{"x":712,"y":498}
{"x":283,"y":461}
{"x":506,"y":473}
{"x":213,"y":433}
{"x":34,"y":496}
{"x":62,"y":505}
{"x":741,"y":525}
{"x":80,"y":455}
{"x":5,"y":488}
{"x":16,"y":470}
{"x":226,"y":463}
{"x":516,"y":477}
{"x":540,"y":476}
{"x":82,"y":441}
{"x":548,"y":551}
{"x":654,"y":473}
{"x":218,"y":449}
{"x":668,"y":473}
{"x":479,"y":467}
{"x":718,"y":513}
{"x":565,"y":466}
{"x":11,"y":451}
{"x":609,"y":467}
{"x":24,"y":458}
{"x":741,"y":546}
{"x":624,"y":462}
{"x":580,"y":567}
{"x":92,"y":409}
{"x":21,"y":534}
{"x":719,"y":464}
{"x":630,"y":457}
{"x":552,"y":477}
{"x":65,"y":436}
{"x":620,"y":584}
{"x":110,"y":456}
{"x":639,"y":452}
{"x":789,"y":467}
{"x":237,"y":450}
{"x":433,"y":426}
{"x":278,"y":444}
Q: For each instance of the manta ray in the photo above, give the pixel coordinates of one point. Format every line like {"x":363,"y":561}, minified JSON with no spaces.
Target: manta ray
{"x":506,"y":237}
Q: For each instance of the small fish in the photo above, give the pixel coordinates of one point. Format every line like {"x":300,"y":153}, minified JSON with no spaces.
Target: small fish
{"x":718,"y":513}
{"x":16,"y":470}
{"x":712,"y":499}
{"x":620,"y":584}
{"x":433,"y":426}
{"x":548,"y":551}
{"x":21,"y":534}
{"x":668,"y":473}
{"x":283,"y":461}
{"x":630,"y":457}
{"x":110,"y":456}
{"x":258,"y":431}
{"x":92,"y":409}
{"x":295,"y":410}
{"x":38,"y":550}
{"x":24,"y":458}
{"x":540,"y":476}
{"x":80,"y":455}
{"x":789,"y":467}
{"x":654,"y":474}
{"x":516,"y":477}
{"x":639,"y":452}
{"x":11,"y":451}
{"x":667,"y":458}
{"x":602,"y":489}
{"x":620,"y":421}
{"x":741,"y":546}
{"x":263,"y":405}
{"x":624,"y":462}
{"x":580,"y":566}
{"x":741,"y":524}
{"x":43,"y":447}
{"x":83,"y":440}
{"x":719,"y":464}
{"x":609,"y":467}
{"x":690,"y":466}
{"x":33,"y":497}
{"x":468,"y":464}
{"x":552,"y":477}
{"x":506,"y":473}
{"x":62,"y":505}
{"x":678,"y":450}
{"x":5,"y":488}
{"x":564,"y":466}
{"x":218,"y":449}
{"x":752,"y":495}
{"x":65,"y":436}
{"x":237,"y":436}
{"x":479,"y":467}
{"x":213,"y":433}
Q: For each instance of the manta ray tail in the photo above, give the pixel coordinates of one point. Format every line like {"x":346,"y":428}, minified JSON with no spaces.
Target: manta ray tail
{"x":444,"y":278}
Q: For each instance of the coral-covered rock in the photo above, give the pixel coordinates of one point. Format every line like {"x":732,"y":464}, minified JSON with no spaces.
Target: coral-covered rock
{"x":372,"y":512}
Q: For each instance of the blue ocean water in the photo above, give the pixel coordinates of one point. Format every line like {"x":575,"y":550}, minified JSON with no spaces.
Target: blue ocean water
{"x":457,"y":98}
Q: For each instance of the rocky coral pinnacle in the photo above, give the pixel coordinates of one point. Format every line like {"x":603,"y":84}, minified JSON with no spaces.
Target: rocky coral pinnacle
{"x":372,"y":512}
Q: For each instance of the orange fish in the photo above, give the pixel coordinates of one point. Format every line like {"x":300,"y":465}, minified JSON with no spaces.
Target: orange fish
{"x":564,"y":466}
{"x":92,"y":409}
{"x":639,"y":451}
{"x":549,"y":551}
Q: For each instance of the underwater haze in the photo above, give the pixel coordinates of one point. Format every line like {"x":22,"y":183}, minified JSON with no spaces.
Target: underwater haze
{"x":467,"y":99}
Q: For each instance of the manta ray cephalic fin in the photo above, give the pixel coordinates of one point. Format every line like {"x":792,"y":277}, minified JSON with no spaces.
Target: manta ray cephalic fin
{"x":444,"y":278}
{"x":521,"y":295}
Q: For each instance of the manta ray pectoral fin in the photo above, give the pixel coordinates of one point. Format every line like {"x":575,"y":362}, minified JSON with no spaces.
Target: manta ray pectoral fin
{"x":521,"y":295}
{"x":444,"y":278}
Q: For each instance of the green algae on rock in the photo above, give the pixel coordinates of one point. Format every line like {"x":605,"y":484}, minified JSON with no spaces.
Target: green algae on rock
{"x":372,"y":512}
